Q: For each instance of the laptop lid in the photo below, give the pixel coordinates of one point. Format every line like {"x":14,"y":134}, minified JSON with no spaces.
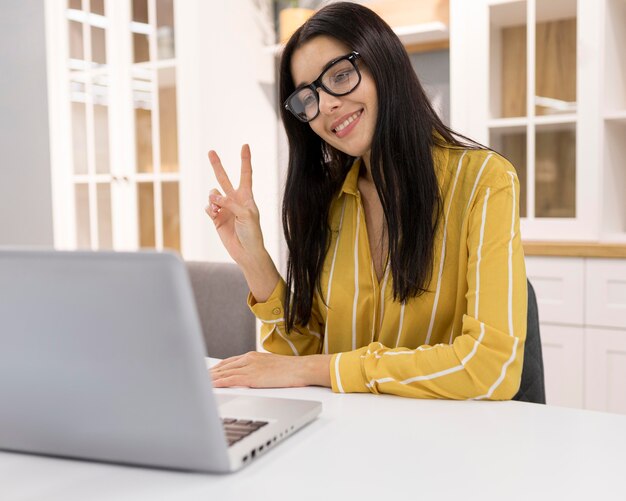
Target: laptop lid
{"x":102,"y":357}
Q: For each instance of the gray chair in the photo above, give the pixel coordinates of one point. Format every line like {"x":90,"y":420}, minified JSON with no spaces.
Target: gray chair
{"x":532,"y":387}
{"x":220,"y":292}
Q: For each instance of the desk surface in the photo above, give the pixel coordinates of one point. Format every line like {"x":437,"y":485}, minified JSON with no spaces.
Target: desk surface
{"x":376,"y":447}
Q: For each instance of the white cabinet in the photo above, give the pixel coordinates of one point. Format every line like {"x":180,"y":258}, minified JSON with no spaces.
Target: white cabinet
{"x":582,"y":315}
{"x":139,"y":91}
{"x":605,"y":335}
{"x":606,"y":286}
{"x":563,"y":361}
{"x":605,"y":370}
{"x":114,"y":124}
{"x":542,"y":82}
{"x":559,"y":289}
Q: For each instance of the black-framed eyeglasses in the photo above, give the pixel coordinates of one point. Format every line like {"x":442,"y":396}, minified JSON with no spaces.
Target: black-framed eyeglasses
{"x":340,"y":77}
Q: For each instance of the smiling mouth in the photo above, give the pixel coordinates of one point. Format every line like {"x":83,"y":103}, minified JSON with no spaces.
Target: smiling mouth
{"x":347,"y":122}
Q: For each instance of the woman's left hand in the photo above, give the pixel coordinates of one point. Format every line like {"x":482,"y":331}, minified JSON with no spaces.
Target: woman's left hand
{"x":268,"y":370}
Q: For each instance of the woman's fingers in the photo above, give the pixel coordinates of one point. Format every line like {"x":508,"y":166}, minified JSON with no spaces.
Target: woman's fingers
{"x":230,"y":372}
{"x":230,"y":381}
{"x":220,"y":173}
{"x":225,"y":202}
{"x":212,"y":209}
{"x":227,"y":362}
{"x":245,"y":180}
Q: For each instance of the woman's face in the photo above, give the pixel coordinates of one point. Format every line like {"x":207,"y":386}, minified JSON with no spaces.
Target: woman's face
{"x":358,"y":108}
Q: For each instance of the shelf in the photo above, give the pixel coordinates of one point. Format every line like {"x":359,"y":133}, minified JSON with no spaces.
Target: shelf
{"x":90,"y":18}
{"x":88,"y":69}
{"x":514,"y":123}
{"x":425,"y":33}
{"x":158,"y":64}
{"x":566,"y":118}
{"x":616,"y":116}
{"x":137,"y":177}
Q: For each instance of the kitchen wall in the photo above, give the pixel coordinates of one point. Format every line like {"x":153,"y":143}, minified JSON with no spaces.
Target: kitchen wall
{"x":25,"y":194}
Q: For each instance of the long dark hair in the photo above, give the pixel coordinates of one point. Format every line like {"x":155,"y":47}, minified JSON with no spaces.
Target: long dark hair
{"x":402,"y":167}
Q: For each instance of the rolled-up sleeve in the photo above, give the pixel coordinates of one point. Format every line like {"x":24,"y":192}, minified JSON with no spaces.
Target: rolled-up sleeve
{"x":302,"y":340}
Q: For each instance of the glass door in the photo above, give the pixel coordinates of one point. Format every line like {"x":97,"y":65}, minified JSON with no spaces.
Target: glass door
{"x":156,"y":178}
{"x":533,"y":101}
{"x":125,"y":174}
{"x":89,"y":74}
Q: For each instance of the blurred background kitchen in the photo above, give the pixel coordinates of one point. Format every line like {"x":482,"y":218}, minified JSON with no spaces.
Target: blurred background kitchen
{"x":108,"y":108}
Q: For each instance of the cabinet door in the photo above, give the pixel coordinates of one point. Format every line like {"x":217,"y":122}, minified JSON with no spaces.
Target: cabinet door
{"x":156,"y":173}
{"x":606,"y":292}
{"x":605,"y":370}
{"x":563,"y":364}
{"x":114,"y":125}
{"x":531,"y":97}
{"x":559,"y":285}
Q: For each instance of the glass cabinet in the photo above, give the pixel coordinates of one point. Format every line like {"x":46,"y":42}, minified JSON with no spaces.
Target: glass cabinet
{"x":115,"y":115}
{"x":544,"y":84}
{"x":138,"y":92}
{"x":537,"y":134}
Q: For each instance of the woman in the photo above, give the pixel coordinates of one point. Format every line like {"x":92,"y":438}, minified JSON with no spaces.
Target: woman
{"x":405,"y":259}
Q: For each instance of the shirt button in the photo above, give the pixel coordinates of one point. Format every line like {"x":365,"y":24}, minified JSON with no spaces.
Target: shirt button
{"x":276,"y":311}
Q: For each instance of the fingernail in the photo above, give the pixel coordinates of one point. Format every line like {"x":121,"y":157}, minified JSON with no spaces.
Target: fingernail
{"x":215,"y":198}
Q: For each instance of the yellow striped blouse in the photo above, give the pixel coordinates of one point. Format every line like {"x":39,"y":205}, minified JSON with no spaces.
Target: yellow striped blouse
{"x":464,"y":339}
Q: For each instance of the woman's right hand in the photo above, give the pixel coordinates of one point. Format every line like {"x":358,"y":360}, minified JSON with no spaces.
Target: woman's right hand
{"x":234,"y":212}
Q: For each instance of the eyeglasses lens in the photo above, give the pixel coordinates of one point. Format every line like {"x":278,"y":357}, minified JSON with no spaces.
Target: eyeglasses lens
{"x":340,"y":79}
{"x":304,"y":104}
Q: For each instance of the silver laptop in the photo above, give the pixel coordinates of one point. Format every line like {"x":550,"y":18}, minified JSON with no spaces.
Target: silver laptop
{"x":102,"y":358}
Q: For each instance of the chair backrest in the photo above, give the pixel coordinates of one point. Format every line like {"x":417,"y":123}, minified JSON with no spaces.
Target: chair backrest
{"x":220,"y":291}
{"x":532,"y":387}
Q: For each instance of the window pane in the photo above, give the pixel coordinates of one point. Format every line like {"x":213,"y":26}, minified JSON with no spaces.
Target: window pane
{"x":512,"y":145}
{"x":101,"y":141}
{"x":83,"y":227}
{"x":76,"y":45}
{"x":168,"y":124}
{"x":75,"y":4}
{"x":140,"y":11}
{"x":98,"y":45}
{"x":508,"y":53}
{"x":171,"y":216}
{"x":141,"y":48}
{"x":165,"y":29}
{"x":79,"y":138}
{"x":105,"y":229}
{"x":143,"y":140}
{"x":145,"y":202}
{"x":555,"y":65}
{"x":101,"y":123}
{"x":142,"y":99}
{"x":97,"y":7}
{"x":555,"y":171}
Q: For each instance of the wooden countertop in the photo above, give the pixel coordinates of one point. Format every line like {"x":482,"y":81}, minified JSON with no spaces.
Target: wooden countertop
{"x":575,"y":249}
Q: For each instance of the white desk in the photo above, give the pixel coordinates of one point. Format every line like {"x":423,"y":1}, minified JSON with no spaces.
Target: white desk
{"x":376,"y":447}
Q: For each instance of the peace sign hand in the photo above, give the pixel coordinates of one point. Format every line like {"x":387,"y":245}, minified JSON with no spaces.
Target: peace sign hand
{"x":234,"y":213}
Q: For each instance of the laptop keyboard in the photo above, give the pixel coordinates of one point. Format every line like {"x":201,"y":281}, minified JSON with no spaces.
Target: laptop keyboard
{"x":236,"y":429}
